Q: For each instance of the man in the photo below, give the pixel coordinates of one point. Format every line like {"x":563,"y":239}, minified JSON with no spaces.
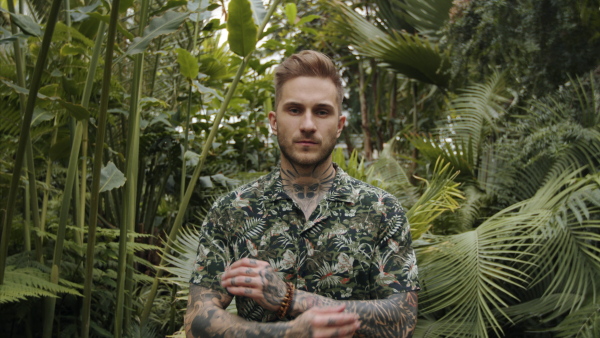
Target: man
{"x":306,"y":250}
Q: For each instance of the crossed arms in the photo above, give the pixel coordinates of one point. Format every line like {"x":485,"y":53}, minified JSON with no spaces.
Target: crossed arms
{"x":315,"y":316}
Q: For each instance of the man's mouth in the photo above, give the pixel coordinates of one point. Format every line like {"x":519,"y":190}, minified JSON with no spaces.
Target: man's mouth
{"x":306,"y":142}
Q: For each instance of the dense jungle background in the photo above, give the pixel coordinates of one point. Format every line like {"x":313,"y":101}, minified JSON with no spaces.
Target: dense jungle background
{"x":122,"y":120}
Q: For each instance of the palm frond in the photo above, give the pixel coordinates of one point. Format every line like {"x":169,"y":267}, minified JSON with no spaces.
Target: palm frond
{"x":407,"y":54}
{"x":567,"y":240}
{"x":389,"y":175}
{"x":475,"y":111}
{"x":427,"y":16}
{"x":584,"y":322}
{"x":441,"y":195}
{"x":459,"y":154}
{"x":182,"y":256}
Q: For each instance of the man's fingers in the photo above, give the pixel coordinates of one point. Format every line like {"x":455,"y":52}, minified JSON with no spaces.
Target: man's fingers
{"x":339,"y":331}
{"x":241,"y":281}
{"x":340,"y":319}
{"x":240,"y":271}
{"x":329,"y":309}
{"x":248,"y":262}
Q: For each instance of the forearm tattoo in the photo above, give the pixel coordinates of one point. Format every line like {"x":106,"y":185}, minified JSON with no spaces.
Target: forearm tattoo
{"x":206,"y":317}
{"x":395,"y":316}
{"x":308,"y":189}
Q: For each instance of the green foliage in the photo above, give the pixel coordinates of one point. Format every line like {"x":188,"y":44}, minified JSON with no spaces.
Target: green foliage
{"x":538,"y":43}
{"x":187,"y":64}
{"x":241,"y":27}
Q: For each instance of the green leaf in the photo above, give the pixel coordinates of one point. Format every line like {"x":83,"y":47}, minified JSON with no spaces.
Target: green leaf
{"x":291,"y":12}
{"x":308,"y":18}
{"x":26,"y":23}
{"x":241,"y":28}
{"x":188,"y":65}
{"x":206,"y":90}
{"x":111,"y":177}
{"x":40,"y":115}
{"x":166,"y":24}
{"x":79,"y":112}
{"x":69,"y":49}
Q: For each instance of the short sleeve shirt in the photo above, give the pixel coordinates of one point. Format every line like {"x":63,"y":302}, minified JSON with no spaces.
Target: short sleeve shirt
{"x":356,"y":245}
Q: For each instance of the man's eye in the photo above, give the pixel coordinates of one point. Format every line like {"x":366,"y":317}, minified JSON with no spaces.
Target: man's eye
{"x":322,"y":113}
{"x":294,"y":110}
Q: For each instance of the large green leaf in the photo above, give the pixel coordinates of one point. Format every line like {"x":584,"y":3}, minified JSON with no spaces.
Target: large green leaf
{"x":166,"y":24}
{"x":111,"y":177}
{"x":26,"y":23}
{"x":407,"y":54}
{"x":188,"y":65}
{"x":242,"y":30}
{"x":427,"y":16}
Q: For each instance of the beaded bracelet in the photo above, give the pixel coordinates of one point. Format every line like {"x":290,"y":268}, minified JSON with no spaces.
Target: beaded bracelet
{"x":287,"y":300}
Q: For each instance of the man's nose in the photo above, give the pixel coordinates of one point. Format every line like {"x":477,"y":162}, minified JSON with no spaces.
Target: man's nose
{"x":307,"y":124}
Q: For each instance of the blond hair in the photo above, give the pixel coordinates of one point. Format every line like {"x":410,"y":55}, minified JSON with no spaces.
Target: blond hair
{"x":307,"y":63}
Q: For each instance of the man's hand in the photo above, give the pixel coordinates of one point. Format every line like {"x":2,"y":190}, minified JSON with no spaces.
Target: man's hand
{"x":322,"y":322}
{"x":257,"y":280}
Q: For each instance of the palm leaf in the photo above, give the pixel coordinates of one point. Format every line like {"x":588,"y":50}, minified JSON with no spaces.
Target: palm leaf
{"x":490,"y":258}
{"x":566,"y":241}
{"x":404,"y":53}
{"x":441,"y":195}
{"x":475,"y":113}
{"x":584,"y":322}
{"x":461,"y":155}
{"x":427,"y":16}
{"x":389,"y":175}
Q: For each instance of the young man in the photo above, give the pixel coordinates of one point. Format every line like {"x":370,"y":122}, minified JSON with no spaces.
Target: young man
{"x":306,"y":250}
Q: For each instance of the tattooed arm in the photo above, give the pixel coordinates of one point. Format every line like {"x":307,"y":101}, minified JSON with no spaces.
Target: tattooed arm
{"x":206,"y":317}
{"x":394,"y":316}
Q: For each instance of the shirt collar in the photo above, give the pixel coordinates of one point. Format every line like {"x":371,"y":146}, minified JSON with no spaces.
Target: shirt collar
{"x":341,"y":189}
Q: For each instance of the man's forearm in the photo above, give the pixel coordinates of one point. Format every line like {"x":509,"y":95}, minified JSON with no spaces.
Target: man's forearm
{"x":206,"y":317}
{"x":395,"y":316}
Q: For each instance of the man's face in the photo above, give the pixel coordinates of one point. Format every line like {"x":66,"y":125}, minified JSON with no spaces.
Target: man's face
{"x":307,"y":122}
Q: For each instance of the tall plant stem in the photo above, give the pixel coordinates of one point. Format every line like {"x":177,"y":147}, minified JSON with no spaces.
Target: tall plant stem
{"x":128,"y":221}
{"x":89,"y":264}
{"x":32,"y":192}
{"x":188,"y":114}
{"x":99,"y":148}
{"x":24,"y":135}
{"x":50,"y":302}
{"x":190,"y":188}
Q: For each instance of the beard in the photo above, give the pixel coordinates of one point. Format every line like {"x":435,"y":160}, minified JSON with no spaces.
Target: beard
{"x":301,"y":159}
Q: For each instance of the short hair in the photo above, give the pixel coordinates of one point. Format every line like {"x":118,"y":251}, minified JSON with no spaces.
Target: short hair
{"x":308,"y":63}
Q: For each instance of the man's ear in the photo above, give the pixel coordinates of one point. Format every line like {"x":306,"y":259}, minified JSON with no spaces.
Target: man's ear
{"x":341,"y":124}
{"x":273,"y":122}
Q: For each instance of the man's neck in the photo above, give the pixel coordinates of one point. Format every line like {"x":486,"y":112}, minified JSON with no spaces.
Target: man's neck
{"x":307,"y":186}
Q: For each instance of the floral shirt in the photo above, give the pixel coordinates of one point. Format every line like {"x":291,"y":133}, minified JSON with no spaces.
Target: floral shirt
{"x":356,"y":245}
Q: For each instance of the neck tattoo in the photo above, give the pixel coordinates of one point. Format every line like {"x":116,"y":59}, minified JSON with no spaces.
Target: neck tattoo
{"x":307,"y":190}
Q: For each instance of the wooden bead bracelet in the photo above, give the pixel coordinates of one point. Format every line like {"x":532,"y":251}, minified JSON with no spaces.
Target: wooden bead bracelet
{"x":287,"y":300}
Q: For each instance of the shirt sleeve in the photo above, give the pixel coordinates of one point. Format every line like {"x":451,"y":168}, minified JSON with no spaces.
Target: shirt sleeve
{"x":213,"y":253}
{"x":394,"y":266}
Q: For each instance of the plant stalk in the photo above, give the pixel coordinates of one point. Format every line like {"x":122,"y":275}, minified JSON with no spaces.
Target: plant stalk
{"x":36,"y":82}
{"x":89,"y":264}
